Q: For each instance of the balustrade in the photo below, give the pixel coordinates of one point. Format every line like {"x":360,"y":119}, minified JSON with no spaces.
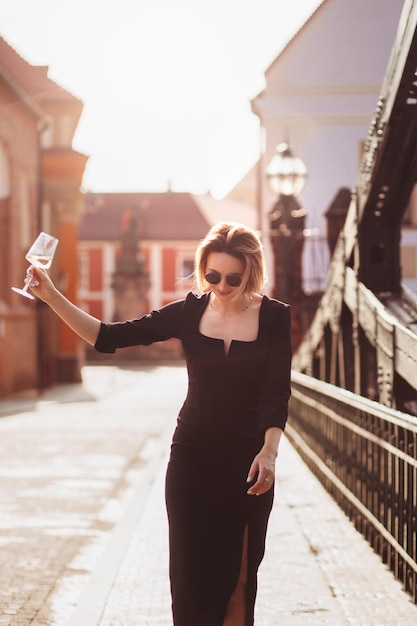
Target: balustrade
{"x":365,"y":454}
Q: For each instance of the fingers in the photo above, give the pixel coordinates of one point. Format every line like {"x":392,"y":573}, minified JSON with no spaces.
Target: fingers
{"x":252,"y":472}
{"x":38,"y":281}
{"x":263,"y":483}
{"x":31,"y":277}
{"x":262,"y":471}
{"x":38,"y":275}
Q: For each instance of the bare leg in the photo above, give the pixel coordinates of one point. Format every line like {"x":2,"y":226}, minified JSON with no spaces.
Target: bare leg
{"x":236,"y":609}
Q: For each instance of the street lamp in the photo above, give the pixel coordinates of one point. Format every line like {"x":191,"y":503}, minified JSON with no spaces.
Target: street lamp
{"x":286,"y":176}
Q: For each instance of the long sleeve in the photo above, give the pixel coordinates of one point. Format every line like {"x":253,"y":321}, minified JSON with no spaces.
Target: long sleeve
{"x":276,"y":389}
{"x":158,"y":325}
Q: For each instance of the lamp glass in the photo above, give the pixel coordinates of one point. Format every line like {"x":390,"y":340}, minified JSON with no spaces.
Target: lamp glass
{"x":286,"y":174}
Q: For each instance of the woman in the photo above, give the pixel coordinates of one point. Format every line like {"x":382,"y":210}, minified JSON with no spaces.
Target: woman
{"x":237,"y":348}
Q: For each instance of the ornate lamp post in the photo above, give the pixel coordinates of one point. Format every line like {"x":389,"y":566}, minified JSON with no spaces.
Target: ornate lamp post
{"x":286,"y":176}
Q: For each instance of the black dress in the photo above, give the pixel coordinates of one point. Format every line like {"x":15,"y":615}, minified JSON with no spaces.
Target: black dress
{"x":232,"y":399}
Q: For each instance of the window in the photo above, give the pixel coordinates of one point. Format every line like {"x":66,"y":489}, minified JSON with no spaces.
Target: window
{"x":47,"y":133}
{"x":408,"y":262}
{"x":410,"y":216}
{"x":185,"y":271}
{"x":24,"y":212}
{"x":4,"y":173}
{"x":186,"y":268}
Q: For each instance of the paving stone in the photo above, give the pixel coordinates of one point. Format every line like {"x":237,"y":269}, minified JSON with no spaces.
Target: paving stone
{"x":83,"y":531}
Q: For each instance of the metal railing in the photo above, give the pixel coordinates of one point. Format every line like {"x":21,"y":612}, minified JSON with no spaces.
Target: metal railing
{"x":365,"y":455}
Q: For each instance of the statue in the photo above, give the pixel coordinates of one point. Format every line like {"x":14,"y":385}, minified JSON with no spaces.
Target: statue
{"x":130,"y":278}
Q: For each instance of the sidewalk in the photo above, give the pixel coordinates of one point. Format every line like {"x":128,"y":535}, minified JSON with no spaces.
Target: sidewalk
{"x":318,"y":571}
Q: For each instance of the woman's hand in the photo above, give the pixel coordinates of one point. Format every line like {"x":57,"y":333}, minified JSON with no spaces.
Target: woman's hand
{"x":85,"y":325}
{"x":41,"y":285}
{"x":263,"y":468}
{"x":263,"y":465}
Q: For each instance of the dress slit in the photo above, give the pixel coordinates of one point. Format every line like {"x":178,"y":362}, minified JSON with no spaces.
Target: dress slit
{"x":236,"y":609}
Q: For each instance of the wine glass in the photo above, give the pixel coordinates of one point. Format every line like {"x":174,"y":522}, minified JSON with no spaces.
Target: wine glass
{"x":40,"y":254}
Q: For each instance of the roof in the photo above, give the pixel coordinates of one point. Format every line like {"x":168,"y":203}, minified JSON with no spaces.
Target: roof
{"x":296,"y":34}
{"x":32,"y":78}
{"x":364,"y":62}
{"x":330,"y":27}
{"x":161,"y":216}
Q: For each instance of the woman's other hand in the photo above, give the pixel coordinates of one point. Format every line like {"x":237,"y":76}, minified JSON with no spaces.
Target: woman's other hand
{"x":263,"y":465}
{"x":263,"y":469}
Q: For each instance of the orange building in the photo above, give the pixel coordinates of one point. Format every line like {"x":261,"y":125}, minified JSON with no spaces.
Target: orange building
{"x":40,"y":178}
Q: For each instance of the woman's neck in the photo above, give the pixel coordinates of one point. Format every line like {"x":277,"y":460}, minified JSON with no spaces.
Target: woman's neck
{"x":232,"y":308}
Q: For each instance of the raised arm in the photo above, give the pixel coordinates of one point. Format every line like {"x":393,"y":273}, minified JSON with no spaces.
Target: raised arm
{"x":85,"y":325}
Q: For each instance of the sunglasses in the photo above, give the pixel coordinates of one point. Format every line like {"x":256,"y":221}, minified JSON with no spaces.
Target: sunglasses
{"x":233,"y":280}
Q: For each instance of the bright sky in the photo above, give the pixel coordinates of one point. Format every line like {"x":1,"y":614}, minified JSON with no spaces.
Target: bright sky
{"x":166,"y":84}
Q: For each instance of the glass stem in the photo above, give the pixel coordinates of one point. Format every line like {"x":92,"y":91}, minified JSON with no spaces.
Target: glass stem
{"x":27,"y":282}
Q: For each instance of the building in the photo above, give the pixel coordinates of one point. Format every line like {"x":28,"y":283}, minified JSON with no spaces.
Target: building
{"x":169,"y":228}
{"x":320,"y":96}
{"x":40,"y":178}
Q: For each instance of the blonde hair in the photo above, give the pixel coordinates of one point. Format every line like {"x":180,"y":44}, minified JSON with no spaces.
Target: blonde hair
{"x":240,"y":242}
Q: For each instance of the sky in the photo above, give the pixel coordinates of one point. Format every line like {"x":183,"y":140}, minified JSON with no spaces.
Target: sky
{"x":166,"y":84}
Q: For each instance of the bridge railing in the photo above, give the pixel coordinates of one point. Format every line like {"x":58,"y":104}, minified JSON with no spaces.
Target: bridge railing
{"x":365,"y":455}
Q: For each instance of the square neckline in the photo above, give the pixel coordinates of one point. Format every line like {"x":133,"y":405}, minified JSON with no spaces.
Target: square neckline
{"x":226,"y":353}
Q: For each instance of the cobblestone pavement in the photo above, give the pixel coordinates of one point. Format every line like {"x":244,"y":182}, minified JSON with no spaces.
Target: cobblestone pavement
{"x":83,"y":538}
{"x":69,"y":464}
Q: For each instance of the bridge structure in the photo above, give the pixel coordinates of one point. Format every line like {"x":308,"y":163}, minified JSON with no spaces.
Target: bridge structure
{"x":353,"y":411}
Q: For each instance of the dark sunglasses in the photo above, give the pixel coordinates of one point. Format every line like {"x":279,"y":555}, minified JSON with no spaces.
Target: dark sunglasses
{"x":232,"y":279}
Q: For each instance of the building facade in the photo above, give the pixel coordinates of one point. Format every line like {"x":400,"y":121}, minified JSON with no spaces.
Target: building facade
{"x":320,"y":96}
{"x":40,"y":178}
{"x":169,"y":227}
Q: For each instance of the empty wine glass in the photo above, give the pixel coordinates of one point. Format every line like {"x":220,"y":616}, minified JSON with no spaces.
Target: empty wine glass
{"x":40,"y":254}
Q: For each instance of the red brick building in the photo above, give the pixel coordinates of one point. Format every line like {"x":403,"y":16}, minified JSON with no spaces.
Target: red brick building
{"x":40,"y":178}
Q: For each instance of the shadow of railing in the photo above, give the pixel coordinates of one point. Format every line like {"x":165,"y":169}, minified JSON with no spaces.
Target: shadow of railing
{"x":365,"y":455}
